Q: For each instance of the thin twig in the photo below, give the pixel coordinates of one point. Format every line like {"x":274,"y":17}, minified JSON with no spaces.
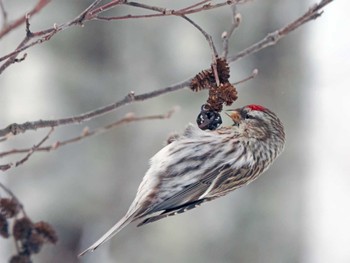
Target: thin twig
{"x":10,"y":26}
{"x":3,"y":14}
{"x":130,"y":98}
{"x":90,"y":13}
{"x":14,"y":197}
{"x":226,"y":35}
{"x":5,"y":167}
{"x":193,"y":6}
{"x":267,"y":41}
{"x":169,"y":12}
{"x":105,"y":7}
{"x":211,"y":45}
{"x":272,"y":38}
{"x":205,"y":34}
{"x":128,"y":118}
{"x":254,"y":73}
{"x":12,"y":57}
{"x":148,"y":7}
{"x":30,"y":153}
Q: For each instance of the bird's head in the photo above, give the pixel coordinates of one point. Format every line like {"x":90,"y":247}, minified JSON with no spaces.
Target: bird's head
{"x":256,"y":121}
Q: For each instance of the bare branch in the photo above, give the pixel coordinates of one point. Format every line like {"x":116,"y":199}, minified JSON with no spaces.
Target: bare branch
{"x":193,"y":6}
{"x":30,"y":152}
{"x":33,"y":149}
{"x":88,"y":14}
{"x":205,"y":34}
{"x":254,"y":73}
{"x":130,"y":98}
{"x":128,"y":118}
{"x":3,"y":14}
{"x":180,"y":12}
{"x":272,"y":38}
{"x":211,"y":45}
{"x":9,"y":27}
{"x":226,"y":35}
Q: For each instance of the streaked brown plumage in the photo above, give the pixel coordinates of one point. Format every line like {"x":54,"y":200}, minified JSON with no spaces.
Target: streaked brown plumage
{"x":199,"y":166}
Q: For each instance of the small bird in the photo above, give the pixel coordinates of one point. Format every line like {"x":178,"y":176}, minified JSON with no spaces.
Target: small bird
{"x":201,"y":165}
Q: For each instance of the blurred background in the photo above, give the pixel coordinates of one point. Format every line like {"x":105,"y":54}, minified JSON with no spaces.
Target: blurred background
{"x":298,"y":211}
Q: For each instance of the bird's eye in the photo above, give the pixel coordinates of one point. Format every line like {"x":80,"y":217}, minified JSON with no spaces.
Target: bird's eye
{"x":248,"y":116}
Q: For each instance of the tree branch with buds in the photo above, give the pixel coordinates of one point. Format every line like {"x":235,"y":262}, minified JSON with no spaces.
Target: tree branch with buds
{"x":270,"y":39}
{"x":215,"y":79}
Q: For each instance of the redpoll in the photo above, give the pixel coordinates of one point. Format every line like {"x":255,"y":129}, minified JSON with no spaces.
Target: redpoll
{"x":199,"y":166}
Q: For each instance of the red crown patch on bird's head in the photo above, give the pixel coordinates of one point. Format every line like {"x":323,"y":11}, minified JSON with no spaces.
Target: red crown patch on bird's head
{"x":256,"y":107}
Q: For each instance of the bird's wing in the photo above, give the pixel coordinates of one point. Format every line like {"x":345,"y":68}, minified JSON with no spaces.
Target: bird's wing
{"x":195,"y":194}
{"x":188,"y":171}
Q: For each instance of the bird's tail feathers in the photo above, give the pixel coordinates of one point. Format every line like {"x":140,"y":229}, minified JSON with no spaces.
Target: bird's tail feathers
{"x":110,"y":233}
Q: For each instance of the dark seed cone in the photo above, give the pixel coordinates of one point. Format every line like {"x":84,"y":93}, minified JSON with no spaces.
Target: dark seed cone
{"x":226,"y":93}
{"x":206,"y":78}
{"x":202,"y":81}
{"x":9,"y":207}
{"x":223,"y":70}
{"x":33,"y":244}
{"x":22,"y":228}
{"x":4,"y":227}
{"x":46,"y":231}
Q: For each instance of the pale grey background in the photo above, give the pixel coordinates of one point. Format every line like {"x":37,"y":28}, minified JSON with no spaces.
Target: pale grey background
{"x":297,"y":212}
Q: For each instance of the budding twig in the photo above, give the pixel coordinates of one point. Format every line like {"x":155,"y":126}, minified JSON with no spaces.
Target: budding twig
{"x":29,"y":153}
{"x":226,"y":35}
{"x":128,"y":118}
{"x":255,"y":72}
{"x":15,"y":128}
{"x":272,"y":38}
{"x":3,"y":14}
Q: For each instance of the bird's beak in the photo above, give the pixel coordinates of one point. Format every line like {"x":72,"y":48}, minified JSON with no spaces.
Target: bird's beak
{"x":235,"y":117}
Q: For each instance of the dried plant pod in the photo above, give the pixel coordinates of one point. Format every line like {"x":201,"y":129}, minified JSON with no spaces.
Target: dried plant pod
{"x":223,"y":70}
{"x":33,"y":244}
{"x":228,"y":93}
{"x":9,"y":207}
{"x":203,"y":80}
{"x":4,"y":227}
{"x":225,"y":93}
{"x":22,"y":228}
{"x":46,"y":231}
{"x":206,"y":79}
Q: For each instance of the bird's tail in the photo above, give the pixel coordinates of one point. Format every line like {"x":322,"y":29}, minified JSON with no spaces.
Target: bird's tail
{"x":110,"y":233}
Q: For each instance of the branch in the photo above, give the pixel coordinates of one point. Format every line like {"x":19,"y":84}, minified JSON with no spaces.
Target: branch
{"x":91,"y":13}
{"x":42,"y":36}
{"x":30,"y":152}
{"x":170,"y":12}
{"x":33,"y":149}
{"x":9,"y":27}
{"x":128,"y":118}
{"x":3,"y":14}
{"x":226,"y":35}
{"x":130,"y":98}
{"x":272,"y":38}
{"x":254,"y":73}
{"x":204,"y":33}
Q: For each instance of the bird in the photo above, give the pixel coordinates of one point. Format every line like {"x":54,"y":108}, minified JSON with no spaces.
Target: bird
{"x":201,"y":165}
